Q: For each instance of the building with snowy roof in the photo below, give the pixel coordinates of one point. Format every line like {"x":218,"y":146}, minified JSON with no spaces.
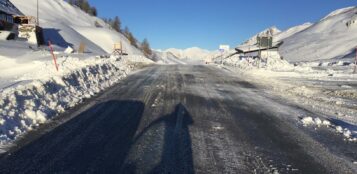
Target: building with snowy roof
{"x":263,"y":49}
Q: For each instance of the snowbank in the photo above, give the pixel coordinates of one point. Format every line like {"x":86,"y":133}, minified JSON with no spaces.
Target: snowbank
{"x":274,"y":62}
{"x":48,"y":93}
{"x":347,"y":133}
{"x":329,"y":91}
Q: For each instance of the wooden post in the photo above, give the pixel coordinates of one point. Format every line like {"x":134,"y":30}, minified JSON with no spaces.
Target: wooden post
{"x":121,"y":48}
{"x":53,"y":54}
{"x":82,"y":48}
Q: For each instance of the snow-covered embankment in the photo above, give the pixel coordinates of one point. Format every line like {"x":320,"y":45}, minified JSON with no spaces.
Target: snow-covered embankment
{"x":44,"y":94}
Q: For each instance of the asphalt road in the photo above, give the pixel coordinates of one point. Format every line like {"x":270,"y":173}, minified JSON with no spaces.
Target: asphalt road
{"x":177,"y":119}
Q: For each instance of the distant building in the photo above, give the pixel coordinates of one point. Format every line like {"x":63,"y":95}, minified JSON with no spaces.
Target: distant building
{"x":260,"y":52}
{"x":13,"y":25}
{"x":28,"y":29}
{"x":262,"y":49}
{"x":7,"y":26}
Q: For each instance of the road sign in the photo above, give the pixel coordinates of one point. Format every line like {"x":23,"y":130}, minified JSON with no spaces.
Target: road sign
{"x":224,"y":48}
{"x":265,"y":41}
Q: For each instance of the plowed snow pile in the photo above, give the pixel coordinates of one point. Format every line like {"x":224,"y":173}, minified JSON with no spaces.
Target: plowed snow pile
{"x":321,"y":80}
{"x":32,"y":91}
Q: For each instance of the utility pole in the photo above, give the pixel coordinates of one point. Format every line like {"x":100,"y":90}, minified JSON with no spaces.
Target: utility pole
{"x":38,"y":15}
{"x":355,"y":70}
{"x":259,"y":52}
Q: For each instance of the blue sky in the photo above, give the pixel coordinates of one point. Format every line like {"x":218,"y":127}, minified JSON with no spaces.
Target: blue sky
{"x":208,"y":23}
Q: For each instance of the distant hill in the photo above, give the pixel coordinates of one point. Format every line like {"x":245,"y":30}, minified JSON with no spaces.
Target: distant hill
{"x":329,"y":38}
{"x":189,"y":53}
{"x":66,"y":25}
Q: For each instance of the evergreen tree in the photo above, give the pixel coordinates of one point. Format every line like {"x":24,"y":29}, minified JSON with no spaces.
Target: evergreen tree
{"x":133,"y":40}
{"x":116,"y":24}
{"x":72,"y":2}
{"x":94,"y":11}
{"x":85,"y":6}
{"x":145,"y":47}
{"x":79,"y":3}
{"x":105,"y":20}
{"x":127,"y":33}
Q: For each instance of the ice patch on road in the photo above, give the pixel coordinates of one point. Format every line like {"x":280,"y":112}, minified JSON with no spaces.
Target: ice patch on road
{"x":345,"y":132}
{"x":315,"y":121}
{"x":217,"y":128}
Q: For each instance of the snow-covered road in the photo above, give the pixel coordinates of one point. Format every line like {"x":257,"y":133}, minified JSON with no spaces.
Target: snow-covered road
{"x":181,"y":119}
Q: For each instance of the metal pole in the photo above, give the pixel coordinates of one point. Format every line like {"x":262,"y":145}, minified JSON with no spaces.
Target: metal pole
{"x":259,"y":53}
{"x":38,"y":15}
{"x":355,"y":70}
{"x":53,"y":54}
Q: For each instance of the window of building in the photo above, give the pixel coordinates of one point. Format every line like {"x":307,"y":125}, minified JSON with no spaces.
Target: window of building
{"x":3,"y":17}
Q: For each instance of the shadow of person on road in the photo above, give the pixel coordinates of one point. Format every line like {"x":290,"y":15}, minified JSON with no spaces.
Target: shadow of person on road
{"x":96,"y":141}
{"x":177,"y":149}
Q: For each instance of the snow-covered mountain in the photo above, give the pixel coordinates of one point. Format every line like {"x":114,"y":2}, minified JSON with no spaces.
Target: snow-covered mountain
{"x":329,"y":38}
{"x":189,"y":53}
{"x":291,"y":31}
{"x":276,"y":33}
{"x":193,"y":53}
{"x":333,"y":37}
{"x":269,"y":31}
{"x":66,"y":25}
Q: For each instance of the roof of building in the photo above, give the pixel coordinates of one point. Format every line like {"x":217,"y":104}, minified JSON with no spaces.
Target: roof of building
{"x":255,"y":48}
{"x":7,"y":7}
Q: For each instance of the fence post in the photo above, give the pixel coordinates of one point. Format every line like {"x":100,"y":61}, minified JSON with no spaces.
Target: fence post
{"x":53,"y":55}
